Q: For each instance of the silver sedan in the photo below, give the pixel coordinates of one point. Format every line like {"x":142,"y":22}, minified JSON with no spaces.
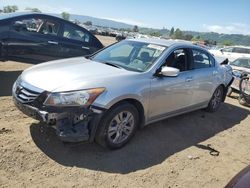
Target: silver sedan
{"x":107,"y":96}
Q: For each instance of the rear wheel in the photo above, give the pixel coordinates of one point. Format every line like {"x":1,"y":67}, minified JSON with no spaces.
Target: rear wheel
{"x":216,"y":100}
{"x":117,"y":126}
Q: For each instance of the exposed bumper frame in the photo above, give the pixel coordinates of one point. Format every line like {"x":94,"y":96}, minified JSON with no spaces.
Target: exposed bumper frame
{"x":72,"y":124}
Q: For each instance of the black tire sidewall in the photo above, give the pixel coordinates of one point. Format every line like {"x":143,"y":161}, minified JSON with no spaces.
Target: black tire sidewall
{"x":210,"y":106}
{"x":102,"y":136}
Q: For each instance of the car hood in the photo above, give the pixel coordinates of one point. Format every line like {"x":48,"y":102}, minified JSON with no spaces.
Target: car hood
{"x":70,"y":74}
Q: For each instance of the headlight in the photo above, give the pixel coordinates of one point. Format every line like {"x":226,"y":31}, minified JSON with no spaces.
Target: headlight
{"x":75,"y":98}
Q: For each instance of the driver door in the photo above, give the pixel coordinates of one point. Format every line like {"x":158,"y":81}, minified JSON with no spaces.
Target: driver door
{"x":170,"y":95}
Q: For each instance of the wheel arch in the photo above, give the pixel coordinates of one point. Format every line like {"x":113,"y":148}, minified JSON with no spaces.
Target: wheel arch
{"x":137,"y":104}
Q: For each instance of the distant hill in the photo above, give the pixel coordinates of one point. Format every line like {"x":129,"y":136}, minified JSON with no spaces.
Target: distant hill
{"x":236,"y":39}
{"x":99,"y":21}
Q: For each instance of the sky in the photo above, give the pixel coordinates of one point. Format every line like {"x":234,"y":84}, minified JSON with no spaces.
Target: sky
{"x":222,"y":16}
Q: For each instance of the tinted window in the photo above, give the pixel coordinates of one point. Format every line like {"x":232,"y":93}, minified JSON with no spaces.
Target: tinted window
{"x":201,"y":59}
{"x":36,"y":25}
{"x":75,"y":33}
{"x":49,"y":27}
{"x":27,"y":25}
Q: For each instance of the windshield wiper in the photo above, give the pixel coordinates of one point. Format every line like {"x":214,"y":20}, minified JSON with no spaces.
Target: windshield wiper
{"x":113,"y":64}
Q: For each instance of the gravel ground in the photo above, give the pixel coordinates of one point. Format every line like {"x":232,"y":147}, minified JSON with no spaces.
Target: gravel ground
{"x":170,"y":153}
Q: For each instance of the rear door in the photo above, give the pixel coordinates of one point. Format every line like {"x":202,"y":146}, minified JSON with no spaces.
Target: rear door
{"x":77,"y":41}
{"x":33,"y":37}
{"x":204,"y":76}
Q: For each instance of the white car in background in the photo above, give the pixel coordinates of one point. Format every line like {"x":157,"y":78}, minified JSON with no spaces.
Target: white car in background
{"x":239,"y":66}
{"x":231,"y":53}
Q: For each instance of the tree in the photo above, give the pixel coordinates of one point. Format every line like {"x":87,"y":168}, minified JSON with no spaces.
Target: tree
{"x":178,"y":34}
{"x":10,"y":8}
{"x":188,"y":37}
{"x":156,"y":34}
{"x":135,"y":29}
{"x":88,"y":23}
{"x":171,"y":32}
{"x":65,"y":15}
{"x":227,"y":43}
{"x":33,"y":9}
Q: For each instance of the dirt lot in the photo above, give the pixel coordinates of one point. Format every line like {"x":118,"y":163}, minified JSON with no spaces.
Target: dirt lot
{"x":170,"y":153}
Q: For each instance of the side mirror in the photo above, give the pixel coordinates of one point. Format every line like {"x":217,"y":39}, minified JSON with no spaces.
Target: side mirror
{"x":169,"y":71}
{"x":225,"y":62}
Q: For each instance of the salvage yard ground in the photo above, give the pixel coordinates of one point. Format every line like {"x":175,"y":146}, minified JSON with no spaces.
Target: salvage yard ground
{"x":170,"y":153}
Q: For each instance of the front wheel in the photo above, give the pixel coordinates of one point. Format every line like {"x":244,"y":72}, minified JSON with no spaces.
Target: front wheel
{"x":117,"y":126}
{"x":216,"y":100}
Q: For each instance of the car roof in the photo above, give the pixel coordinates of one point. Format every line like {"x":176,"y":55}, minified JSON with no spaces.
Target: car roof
{"x":163,"y":42}
{"x":17,"y":14}
{"x":14,"y":14}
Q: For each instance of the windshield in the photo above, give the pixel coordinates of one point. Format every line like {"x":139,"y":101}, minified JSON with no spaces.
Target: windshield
{"x":130,"y":55}
{"x":241,"y":63}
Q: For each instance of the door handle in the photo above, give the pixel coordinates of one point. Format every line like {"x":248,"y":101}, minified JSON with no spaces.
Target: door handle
{"x":53,"y":42}
{"x":189,"y":79}
{"x":84,"y":47}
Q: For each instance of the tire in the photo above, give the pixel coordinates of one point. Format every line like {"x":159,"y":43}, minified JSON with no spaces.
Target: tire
{"x":242,"y":101}
{"x":216,"y":100}
{"x":117,"y":126}
{"x":229,"y":91}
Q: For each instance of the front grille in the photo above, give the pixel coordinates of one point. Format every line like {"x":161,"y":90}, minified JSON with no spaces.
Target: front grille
{"x":26,"y":95}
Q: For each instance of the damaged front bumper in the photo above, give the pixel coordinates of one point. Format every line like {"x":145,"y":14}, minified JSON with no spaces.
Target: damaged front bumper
{"x":72,"y":124}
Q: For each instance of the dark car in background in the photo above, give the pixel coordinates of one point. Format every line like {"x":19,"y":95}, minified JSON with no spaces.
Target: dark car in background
{"x":39,"y":37}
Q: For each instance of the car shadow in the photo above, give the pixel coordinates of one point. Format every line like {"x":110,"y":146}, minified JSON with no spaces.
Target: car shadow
{"x":150,"y":146}
{"x":7,"y":80}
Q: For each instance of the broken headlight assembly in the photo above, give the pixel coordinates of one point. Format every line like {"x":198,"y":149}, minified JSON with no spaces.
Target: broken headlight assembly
{"x":74,"y":98}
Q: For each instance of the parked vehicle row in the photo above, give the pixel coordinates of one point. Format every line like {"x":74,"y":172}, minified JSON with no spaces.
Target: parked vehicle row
{"x":39,"y":37}
{"x":128,"y":85}
{"x":232,"y":52}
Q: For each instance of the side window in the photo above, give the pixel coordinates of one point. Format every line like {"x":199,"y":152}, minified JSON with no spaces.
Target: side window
{"x":49,"y":27}
{"x":201,"y":59}
{"x":27,"y":25}
{"x":247,"y":51}
{"x":74,"y":33}
{"x":178,"y":59}
{"x":230,"y":49}
{"x":238,"y":50}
